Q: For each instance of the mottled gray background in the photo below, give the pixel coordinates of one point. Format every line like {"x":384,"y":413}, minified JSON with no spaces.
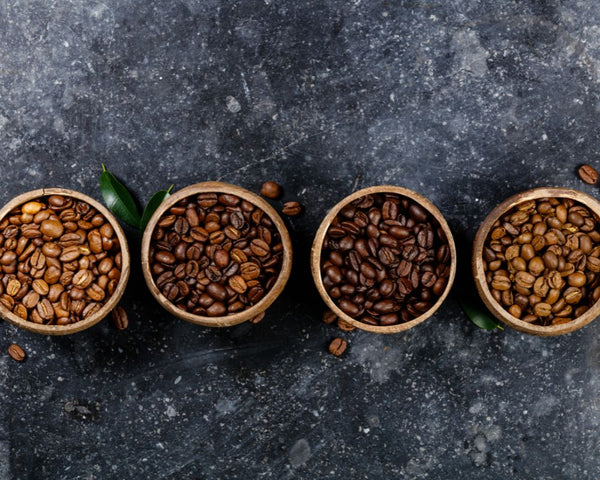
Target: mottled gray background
{"x":464,"y":101}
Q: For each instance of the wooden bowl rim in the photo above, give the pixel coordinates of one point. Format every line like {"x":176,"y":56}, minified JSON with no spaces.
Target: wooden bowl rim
{"x":479,"y":275}
{"x":239,"y":317}
{"x":125,"y":265}
{"x":315,"y":257}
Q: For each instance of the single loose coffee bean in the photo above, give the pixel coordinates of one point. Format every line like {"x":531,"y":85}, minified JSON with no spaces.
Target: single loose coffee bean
{"x":329,"y":317}
{"x":588,"y":174}
{"x":345,"y":326}
{"x":291,"y":209}
{"x":258,"y":318}
{"x":16,"y":352}
{"x":337,"y":346}
{"x":119,"y":318}
{"x":271,"y":190}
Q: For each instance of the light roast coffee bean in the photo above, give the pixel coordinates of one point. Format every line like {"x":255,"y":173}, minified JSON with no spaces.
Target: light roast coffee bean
{"x":223,"y":264}
{"x":542,"y":260}
{"x":51,"y":249}
{"x":385,"y":260}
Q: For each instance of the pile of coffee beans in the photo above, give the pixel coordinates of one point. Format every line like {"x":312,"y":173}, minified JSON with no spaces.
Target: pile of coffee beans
{"x":542,"y":260}
{"x":60,"y":260}
{"x":385,"y":259}
{"x":215,"y":254}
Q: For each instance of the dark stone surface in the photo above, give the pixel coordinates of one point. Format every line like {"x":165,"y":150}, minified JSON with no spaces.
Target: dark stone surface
{"x":464,"y":101}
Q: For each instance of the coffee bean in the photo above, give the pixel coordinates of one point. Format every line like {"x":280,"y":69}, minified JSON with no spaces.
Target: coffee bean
{"x":345,"y":326}
{"x":329,"y":317}
{"x":217,"y":309}
{"x":119,"y":318}
{"x":588,"y":174}
{"x":271,"y":190}
{"x":16,"y":352}
{"x":337,"y":346}
{"x":258,"y":318}
{"x":291,"y":209}
{"x":52,"y":228}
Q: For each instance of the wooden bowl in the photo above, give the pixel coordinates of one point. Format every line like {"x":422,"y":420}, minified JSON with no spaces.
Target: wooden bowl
{"x":477,"y":262}
{"x":235,"y":318}
{"x":315,"y":258}
{"x":113,"y":300}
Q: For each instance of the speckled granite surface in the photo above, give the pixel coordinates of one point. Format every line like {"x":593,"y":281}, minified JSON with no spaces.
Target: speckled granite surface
{"x":465,"y":101}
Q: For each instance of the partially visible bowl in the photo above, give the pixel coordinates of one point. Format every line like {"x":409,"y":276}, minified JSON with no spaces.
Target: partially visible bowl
{"x":354,"y":222}
{"x":155,"y":263}
{"x":12,"y":214}
{"x":485,"y":271}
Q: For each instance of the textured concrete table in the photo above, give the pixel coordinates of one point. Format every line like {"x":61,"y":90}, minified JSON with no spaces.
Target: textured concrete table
{"x":464,"y":101}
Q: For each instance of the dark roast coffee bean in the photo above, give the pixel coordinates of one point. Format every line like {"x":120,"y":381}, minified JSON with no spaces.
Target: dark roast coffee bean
{"x":384,"y":260}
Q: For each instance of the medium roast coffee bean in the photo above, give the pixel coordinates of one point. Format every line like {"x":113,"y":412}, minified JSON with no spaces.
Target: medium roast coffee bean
{"x":337,"y":346}
{"x":384,"y":259}
{"x":588,"y":174}
{"x":291,"y":209}
{"x":215,"y":255}
{"x":271,"y":190}
{"x":51,"y":252}
{"x":545,"y":259}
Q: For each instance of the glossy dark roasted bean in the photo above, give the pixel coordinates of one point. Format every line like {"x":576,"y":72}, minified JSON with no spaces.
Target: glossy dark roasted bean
{"x":384,"y":260}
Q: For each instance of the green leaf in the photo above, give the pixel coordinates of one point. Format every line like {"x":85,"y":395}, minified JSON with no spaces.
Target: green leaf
{"x":118,"y":199}
{"x":152,"y":205}
{"x":478,"y":316}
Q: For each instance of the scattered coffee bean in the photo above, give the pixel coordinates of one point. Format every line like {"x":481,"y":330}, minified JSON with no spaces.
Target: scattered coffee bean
{"x":329,"y":317}
{"x":271,"y":190}
{"x":291,"y":209}
{"x":258,"y":318}
{"x":120,"y":319}
{"x":385,"y":260}
{"x":51,"y":250}
{"x":337,"y":346}
{"x":588,"y":174}
{"x":16,"y":352}
{"x":224,"y":263}
{"x":345,"y":326}
{"x":542,"y":260}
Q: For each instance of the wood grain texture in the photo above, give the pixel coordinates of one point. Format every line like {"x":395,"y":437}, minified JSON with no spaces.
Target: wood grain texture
{"x":125,"y":266}
{"x":479,"y":274}
{"x":239,"y":317}
{"x":315,"y":257}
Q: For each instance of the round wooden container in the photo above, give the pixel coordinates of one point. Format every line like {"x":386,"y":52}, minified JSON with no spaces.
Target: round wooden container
{"x":315,"y":258}
{"x":239,"y":317}
{"x":113,"y":299}
{"x":477,"y":262}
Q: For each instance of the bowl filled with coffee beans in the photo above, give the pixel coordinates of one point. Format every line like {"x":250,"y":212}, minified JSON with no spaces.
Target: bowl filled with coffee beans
{"x":64,"y":261}
{"x":216,"y":254}
{"x":536,"y":261}
{"x":384,"y":259}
